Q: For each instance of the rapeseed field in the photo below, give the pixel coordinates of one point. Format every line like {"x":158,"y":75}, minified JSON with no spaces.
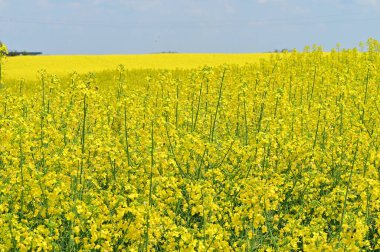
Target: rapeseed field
{"x":27,"y":67}
{"x":281,"y":154}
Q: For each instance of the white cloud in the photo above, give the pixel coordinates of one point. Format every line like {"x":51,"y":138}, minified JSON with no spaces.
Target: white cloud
{"x":373,"y":3}
{"x":44,"y":3}
{"x":229,"y":8}
{"x":74,"y":5}
{"x":3,"y":3}
{"x":50,"y":4}
{"x":142,"y":5}
{"x":369,"y":4}
{"x":269,"y":1}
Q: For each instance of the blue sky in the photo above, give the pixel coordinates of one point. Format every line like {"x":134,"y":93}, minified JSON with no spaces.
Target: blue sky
{"x":150,"y":26}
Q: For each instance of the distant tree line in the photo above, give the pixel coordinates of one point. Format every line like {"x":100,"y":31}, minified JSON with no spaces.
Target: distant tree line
{"x":17,"y":53}
{"x":281,"y":51}
{"x":4,"y":52}
{"x":168,"y":52}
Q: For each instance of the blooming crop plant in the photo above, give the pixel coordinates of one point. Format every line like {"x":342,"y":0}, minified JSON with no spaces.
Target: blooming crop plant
{"x":277,"y":155}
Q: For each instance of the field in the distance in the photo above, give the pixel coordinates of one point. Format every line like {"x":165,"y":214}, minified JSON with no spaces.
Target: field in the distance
{"x":27,"y":67}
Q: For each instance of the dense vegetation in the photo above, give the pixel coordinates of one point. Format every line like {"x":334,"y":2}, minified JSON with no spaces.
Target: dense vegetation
{"x":278,"y":155}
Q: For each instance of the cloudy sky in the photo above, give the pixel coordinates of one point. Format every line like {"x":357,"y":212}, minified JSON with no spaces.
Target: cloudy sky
{"x":149,"y":26}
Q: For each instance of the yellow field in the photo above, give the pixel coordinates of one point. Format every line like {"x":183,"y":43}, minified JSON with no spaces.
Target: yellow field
{"x":277,"y":155}
{"x":27,"y":67}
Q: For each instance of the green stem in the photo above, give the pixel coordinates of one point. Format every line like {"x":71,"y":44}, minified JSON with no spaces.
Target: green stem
{"x":83,"y":144}
{"x":348,"y":186}
{"x":217,"y":107}
{"x":126,"y":134}
{"x":198,"y":106}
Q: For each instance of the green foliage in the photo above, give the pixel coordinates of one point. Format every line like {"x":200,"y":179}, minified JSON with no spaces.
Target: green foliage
{"x":3,"y":54}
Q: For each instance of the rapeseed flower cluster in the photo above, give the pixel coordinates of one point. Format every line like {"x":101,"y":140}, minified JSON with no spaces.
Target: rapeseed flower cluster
{"x":279,"y":155}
